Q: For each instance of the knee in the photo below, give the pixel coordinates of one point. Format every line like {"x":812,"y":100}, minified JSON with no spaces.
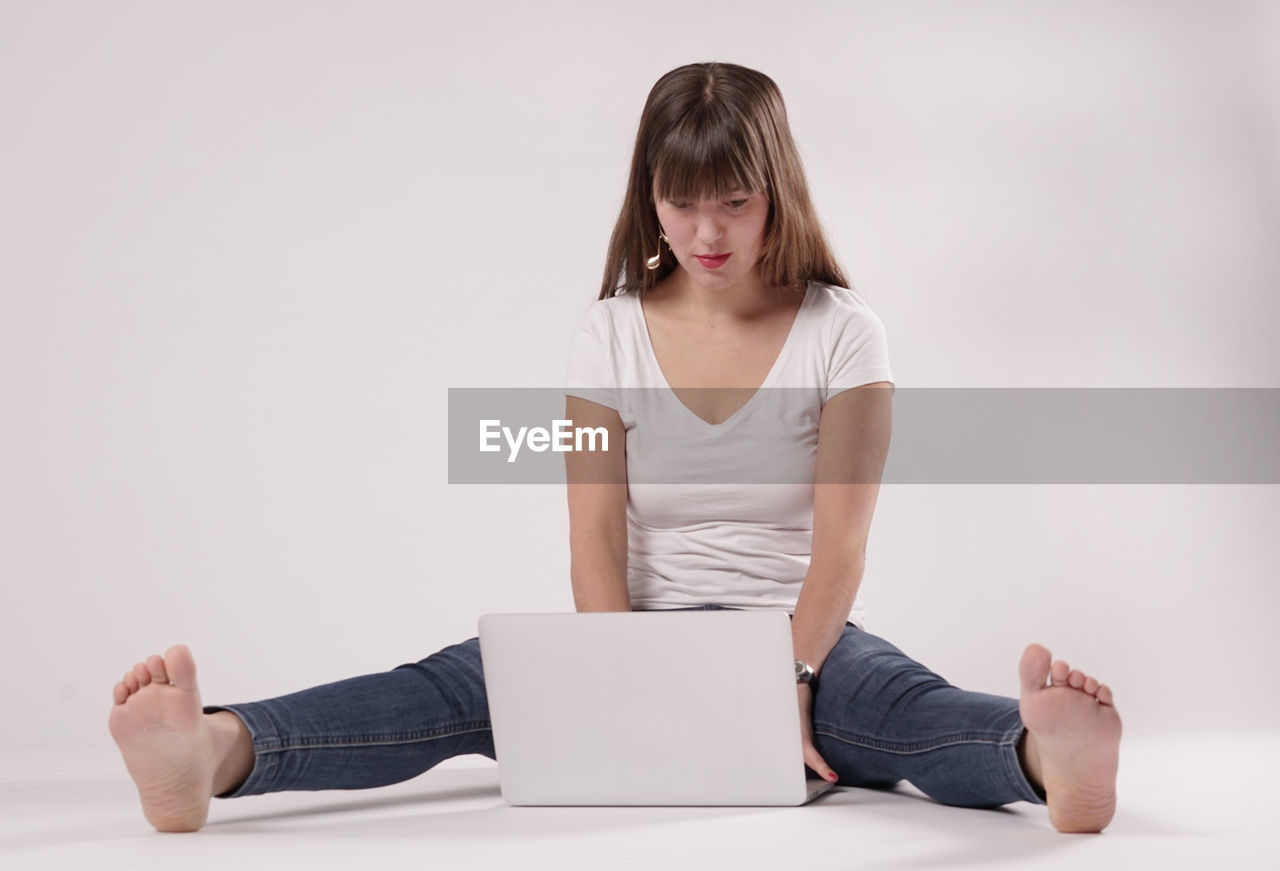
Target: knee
{"x":456,"y":670}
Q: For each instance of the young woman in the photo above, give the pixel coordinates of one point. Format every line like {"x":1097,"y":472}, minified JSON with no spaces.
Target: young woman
{"x":724,"y":341}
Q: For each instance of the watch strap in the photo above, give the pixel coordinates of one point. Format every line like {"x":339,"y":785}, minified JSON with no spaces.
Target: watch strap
{"x":806,"y":674}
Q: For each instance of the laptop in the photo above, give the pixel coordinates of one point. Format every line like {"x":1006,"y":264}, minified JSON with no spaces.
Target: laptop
{"x":672,"y":708}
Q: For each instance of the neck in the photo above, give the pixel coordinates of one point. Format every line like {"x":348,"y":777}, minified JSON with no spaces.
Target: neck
{"x":741,"y":301}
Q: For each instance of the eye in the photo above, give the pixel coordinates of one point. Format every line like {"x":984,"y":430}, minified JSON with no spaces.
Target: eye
{"x":737,"y":204}
{"x":680,"y":205}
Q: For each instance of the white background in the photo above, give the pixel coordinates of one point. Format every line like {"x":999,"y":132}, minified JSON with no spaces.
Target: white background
{"x":247,"y":247}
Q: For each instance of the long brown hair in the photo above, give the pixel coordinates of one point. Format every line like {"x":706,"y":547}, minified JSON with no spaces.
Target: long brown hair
{"x":708,"y":129}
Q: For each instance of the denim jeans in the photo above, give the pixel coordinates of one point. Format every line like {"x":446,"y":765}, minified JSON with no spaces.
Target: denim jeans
{"x":878,"y":718}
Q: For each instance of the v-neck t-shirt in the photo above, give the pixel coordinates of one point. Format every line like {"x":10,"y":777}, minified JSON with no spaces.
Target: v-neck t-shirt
{"x":723,"y":513}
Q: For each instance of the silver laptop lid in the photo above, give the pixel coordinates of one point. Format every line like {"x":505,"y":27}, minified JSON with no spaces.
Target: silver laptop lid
{"x":645,"y":708}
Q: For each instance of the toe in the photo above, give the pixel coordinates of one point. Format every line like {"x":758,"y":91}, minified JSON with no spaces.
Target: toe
{"x":143,"y":676}
{"x":1033,"y":669}
{"x":1075,"y":680}
{"x":1091,"y":685}
{"x":130,"y":682}
{"x":155,"y":665}
{"x":1058,"y":674}
{"x":1104,"y":695}
{"x":119,"y":693}
{"x":181,"y":667}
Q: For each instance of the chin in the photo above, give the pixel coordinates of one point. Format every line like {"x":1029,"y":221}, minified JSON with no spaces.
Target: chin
{"x":718,"y":278}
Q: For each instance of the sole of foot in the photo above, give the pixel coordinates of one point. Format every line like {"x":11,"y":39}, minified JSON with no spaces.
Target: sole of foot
{"x":1073,"y":719}
{"x":157,"y":722}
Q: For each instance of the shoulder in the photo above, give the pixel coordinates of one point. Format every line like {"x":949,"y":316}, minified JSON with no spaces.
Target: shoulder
{"x":853,"y":344}
{"x":604,"y":316}
{"x":841,"y":316}
{"x":609,"y":350}
{"x":604,"y":346}
{"x":841,"y":304}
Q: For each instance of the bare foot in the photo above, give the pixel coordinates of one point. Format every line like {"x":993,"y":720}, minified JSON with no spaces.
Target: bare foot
{"x":1073,"y":741}
{"x":167,"y":743}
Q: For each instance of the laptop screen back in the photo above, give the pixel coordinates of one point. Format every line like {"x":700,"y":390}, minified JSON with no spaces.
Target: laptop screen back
{"x":644,"y":708}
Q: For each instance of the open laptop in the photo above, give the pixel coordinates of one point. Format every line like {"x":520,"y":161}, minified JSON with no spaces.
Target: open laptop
{"x":645,"y":708}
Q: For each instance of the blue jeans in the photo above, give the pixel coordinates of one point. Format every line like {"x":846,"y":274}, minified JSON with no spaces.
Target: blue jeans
{"x":878,"y":718}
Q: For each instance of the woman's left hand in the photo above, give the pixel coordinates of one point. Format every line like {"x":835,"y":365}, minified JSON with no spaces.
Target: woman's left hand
{"x":812,"y":757}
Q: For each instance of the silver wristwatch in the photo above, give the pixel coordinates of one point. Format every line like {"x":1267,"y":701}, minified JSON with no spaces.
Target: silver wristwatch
{"x":806,"y":674}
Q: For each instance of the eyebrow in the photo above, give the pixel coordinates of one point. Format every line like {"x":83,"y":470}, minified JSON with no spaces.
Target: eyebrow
{"x":736,"y":194}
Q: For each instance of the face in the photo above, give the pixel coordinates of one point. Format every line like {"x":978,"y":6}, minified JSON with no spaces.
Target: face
{"x":717,"y":242}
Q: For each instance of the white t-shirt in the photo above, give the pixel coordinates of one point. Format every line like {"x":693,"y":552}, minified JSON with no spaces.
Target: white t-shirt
{"x":701,"y":527}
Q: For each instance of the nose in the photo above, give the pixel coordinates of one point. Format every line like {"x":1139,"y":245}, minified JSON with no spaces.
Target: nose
{"x":709,"y":228}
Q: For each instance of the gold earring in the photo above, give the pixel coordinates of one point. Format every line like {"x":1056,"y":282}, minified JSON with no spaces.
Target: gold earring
{"x":656,"y":260}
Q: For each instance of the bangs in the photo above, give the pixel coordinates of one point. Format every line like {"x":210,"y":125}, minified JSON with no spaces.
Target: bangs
{"x":703,"y":157}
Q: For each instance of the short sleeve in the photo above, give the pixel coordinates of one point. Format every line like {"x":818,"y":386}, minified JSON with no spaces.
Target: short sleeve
{"x":859,"y":348}
{"x":589,"y":372}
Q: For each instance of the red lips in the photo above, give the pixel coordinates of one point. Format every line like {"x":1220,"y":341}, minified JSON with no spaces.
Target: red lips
{"x":713,"y":261}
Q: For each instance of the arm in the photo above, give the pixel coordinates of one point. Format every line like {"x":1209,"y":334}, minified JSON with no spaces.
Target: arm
{"x":853,"y":443}
{"x":597,"y":491}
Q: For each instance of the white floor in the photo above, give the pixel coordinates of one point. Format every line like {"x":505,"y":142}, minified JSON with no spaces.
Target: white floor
{"x":1203,"y":802}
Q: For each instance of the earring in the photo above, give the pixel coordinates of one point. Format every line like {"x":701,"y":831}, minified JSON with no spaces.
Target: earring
{"x":656,"y":260}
